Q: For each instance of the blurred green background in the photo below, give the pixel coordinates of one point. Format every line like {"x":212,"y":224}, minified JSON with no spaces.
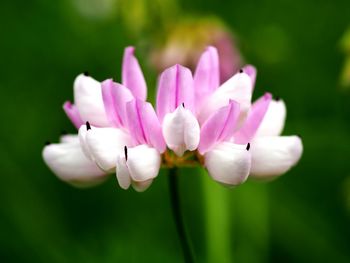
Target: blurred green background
{"x":303,"y":216}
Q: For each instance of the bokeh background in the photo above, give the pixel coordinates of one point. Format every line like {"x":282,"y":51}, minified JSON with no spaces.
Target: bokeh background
{"x":303,"y":216}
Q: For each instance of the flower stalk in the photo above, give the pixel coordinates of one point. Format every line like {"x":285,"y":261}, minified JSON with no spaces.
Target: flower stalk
{"x":218,"y":219}
{"x":177,"y":214}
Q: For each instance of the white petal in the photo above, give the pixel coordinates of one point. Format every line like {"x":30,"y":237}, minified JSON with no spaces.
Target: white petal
{"x":181,"y":130}
{"x":69,"y":163}
{"x":274,"y":155}
{"x":88,"y":99}
{"x":228,"y":163}
{"x":143,"y":163}
{"x":237,"y":88}
{"x":105,"y":145}
{"x":141,"y":186}
{"x":82,"y":139}
{"x":122,"y":173}
{"x":67,"y":138}
{"x":273,"y":122}
{"x":191,"y":131}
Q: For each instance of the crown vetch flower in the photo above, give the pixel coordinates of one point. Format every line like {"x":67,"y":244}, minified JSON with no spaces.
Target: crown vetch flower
{"x":197,"y":121}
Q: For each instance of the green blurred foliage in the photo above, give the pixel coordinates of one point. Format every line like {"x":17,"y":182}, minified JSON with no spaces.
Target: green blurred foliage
{"x":345,"y":46}
{"x":301,"y":217}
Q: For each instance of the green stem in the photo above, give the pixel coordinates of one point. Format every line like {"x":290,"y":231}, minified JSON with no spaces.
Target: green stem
{"x":252,"y":210}
{"x":176,"y":207}
{"x":218,"y":220}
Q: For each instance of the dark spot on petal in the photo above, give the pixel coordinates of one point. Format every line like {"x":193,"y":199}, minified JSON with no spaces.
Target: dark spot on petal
{"x":86,"y":73}
{"x":241,"y":70}
{"x":47,"y":143}
{"x":88,"y":127}
{"x":277,"y":98}
{"x":126,"y":153}
{"x":183,"y":104}
{"x":248,"y":146}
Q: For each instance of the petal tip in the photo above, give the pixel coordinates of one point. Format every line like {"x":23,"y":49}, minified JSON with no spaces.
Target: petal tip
{"x":67,"y":105}
{"x":267,"y":96}
{"x":129,"y":51}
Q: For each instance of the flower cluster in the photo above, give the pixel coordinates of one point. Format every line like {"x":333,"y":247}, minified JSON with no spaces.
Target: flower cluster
{"x":197,"y":121}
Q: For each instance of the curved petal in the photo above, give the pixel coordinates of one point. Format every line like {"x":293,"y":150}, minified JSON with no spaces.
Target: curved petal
{"x":143,"y":124}
{"x":88,"y":100}
{"x":69,"y":163}
{"x":73,"y":114}
{"x":273,"y":122}
{"x":143,"y":163}
{"x":82,"y":139}
{"x":135,"y":122}
{"x":251,"y":71}
{"x":181,"y":131}
{"x":191,"y":131}
{"x":228,"y":163}
{"x":105,"y":145}
{"x":124,"y":178}
{"x":207,"y":75}
{"x":153,"y":129}
{"x":246,"y":133}
{"x":141,"y":186}
{"x":69,"y":138}
{"x":237,"y":88}
{"x":219,"y":127}
{"x":175,"y":87}
{"x":122,"y":173}
{"x":115,"y":97}
{"x":274,"y":155}
{"x":132,"y":76}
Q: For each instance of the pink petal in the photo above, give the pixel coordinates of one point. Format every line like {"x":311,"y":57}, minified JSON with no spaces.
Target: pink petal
{"x":132,"y":76}
{"x":134,"y":122}
{"x":115,"y":96}
{"x":175,"y":87}
{"x":207,"y":75}
{"x":237,"y":88}
{"x":73,"y":114}
{"x":251,"y":71}
{"x":143,"y":124}
{"x":254,"y":119}
{"x":230,"y":58}
{"x":152,"y":127}
{"x":219,"y":127}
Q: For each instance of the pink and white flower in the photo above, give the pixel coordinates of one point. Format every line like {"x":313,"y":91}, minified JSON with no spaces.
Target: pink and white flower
{"x":197,"y":119}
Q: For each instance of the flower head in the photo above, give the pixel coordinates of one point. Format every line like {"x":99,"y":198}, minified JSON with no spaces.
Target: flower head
{"x":197,"y":121}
